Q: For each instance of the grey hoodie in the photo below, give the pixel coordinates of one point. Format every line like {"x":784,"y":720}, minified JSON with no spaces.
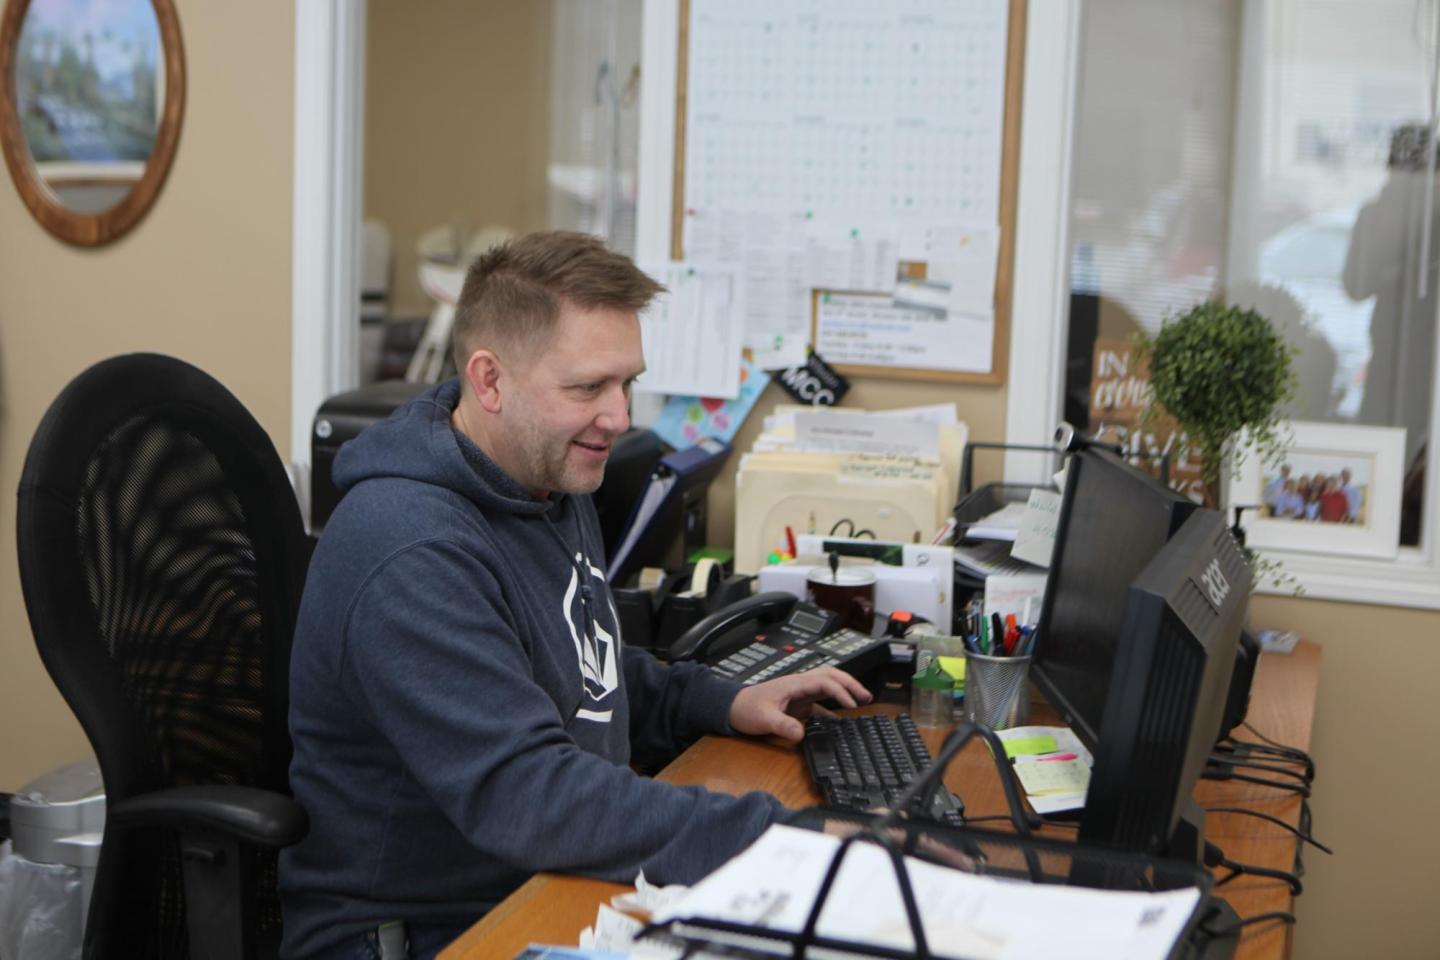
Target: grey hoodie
{"x":462,"y":707}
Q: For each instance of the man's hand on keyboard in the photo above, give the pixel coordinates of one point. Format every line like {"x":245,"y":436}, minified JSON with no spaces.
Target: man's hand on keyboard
{"x":781,"y":706}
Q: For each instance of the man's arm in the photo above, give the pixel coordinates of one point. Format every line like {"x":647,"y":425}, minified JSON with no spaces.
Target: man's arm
{"x":450,"y":685}
{"x":671,"y":706}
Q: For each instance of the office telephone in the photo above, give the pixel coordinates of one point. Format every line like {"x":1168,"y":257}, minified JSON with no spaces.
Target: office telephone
{"x":774,"y":634}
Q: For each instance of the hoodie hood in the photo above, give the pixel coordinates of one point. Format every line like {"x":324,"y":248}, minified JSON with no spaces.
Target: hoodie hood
{"x":418,"y":442}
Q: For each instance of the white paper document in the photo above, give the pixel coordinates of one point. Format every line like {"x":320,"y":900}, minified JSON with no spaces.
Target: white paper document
{"x":1003,"y":524}
{"x":775,"y":881}
{"x":839,"y":432}
{"x":767,"y":251}
{"x":691,"y":335}
{"x":870,"y":330}
{"x":1035,"y":540}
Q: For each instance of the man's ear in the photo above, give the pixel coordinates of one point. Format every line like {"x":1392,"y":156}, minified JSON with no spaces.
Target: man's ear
{"x":485,"y":376}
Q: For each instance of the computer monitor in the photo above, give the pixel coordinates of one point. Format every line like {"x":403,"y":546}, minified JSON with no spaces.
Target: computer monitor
{"x":1142,"y":614}
{"x":1114,"y":519}
{"x":1168,"y":684}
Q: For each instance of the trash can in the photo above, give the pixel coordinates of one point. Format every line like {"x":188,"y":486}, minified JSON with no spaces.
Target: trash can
{"x":47,"y":869}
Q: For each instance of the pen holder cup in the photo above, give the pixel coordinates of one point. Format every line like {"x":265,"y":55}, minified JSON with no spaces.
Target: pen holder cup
{"x":997,"y":691}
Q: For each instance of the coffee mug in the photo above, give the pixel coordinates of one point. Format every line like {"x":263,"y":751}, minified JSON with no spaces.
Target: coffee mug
{"x":848,"y":592}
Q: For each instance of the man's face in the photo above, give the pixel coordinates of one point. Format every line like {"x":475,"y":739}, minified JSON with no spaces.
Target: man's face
{"x":568,"y":402}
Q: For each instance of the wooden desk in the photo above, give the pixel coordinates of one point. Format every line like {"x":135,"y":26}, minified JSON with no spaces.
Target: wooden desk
{"x":554,"y":909}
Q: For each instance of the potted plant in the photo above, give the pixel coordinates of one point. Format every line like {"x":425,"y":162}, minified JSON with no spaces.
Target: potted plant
{"x":1224,"y":374}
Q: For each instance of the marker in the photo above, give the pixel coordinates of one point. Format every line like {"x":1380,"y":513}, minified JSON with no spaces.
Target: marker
{"x":790,"y":540}
{"x":1058,"y":756}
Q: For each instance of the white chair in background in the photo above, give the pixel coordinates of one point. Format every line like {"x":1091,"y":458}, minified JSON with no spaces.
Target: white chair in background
{"x":442,"y":266}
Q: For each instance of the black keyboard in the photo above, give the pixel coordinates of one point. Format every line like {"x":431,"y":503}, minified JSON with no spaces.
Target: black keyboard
{"x":860,"y":763}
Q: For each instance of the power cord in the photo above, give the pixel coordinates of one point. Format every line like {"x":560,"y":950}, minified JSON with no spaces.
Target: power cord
{"x":1249,"y":749}
{"x":1220,"y":760}
{"x":1275,"y":820}
{"x":1275,"y":744}
{"x":1228,"y":929}
{"x":1215,"y":857}
{"x":1220,"y":773}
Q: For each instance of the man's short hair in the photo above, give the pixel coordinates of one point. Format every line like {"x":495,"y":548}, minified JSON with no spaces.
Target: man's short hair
{"x":513,"y":293}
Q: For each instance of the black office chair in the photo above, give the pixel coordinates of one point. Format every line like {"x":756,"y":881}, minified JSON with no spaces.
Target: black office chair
{"x":161,"y":557}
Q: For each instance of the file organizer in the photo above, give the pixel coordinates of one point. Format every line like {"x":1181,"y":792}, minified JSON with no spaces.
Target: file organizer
{"x":1018,"y":856}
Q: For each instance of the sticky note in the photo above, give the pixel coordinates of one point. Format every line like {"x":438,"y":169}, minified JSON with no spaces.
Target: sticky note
{"x":1026,"y":746}
{"x":955,"y":666}
{"x":1059,"y":776}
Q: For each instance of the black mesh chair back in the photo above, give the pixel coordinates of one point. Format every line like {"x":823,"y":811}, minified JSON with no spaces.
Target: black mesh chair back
{"x":162,"y":555}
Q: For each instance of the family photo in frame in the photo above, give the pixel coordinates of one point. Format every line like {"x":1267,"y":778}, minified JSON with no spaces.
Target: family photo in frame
{"x":1336,"y":490}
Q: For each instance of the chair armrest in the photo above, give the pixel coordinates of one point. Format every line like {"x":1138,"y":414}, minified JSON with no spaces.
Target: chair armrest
{"x":249,"y":814}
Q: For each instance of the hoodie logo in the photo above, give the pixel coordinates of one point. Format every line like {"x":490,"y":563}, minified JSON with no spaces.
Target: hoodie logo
{"x":595,"y":648}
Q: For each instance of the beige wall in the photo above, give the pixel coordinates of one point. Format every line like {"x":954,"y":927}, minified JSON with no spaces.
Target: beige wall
{"x":205,"y":277}
{"x":456,"y":122}
{"x":1374,"y":740}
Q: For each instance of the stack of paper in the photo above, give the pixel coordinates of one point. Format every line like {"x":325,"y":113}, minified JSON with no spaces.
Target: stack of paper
{"x":774,"y":883}
{"x":888,"y":475}
{"x":1052,"y":765}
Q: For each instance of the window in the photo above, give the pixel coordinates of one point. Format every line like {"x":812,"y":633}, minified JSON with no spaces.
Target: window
{"x":1269,"y":153}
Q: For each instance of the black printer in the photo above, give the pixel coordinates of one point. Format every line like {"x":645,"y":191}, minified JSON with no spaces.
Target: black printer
{"x":341,"y":418}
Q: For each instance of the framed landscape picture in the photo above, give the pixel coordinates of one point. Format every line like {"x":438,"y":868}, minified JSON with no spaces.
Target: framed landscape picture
{"x":1336,"y":491}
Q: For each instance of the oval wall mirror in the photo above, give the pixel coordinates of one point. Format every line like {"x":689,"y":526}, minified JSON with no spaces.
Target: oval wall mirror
{"x":91,"y":96}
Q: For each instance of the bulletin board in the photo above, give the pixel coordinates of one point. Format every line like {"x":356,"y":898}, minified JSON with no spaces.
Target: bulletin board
{"x":875,"y":122}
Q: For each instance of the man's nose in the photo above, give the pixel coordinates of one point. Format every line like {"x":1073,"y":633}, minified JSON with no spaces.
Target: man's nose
{"x":614,"y":416}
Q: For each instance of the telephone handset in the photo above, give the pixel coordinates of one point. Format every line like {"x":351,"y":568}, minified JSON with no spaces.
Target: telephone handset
{"x":772,"y":634}
{"x":764,"y":608}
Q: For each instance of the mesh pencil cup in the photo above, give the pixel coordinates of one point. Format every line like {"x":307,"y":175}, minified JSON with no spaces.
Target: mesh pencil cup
{"x":997,"y":691}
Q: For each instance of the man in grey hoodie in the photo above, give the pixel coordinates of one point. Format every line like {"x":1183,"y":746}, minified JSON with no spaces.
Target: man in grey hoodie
{"x":463,"y":707}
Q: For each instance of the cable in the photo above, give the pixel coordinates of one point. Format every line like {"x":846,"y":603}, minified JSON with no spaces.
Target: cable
{"x":1245,"y":748}
{"x":1220,"y":761}
{"x":1215,"y":857}
{"x":1214,"y":774}
{"x":1281,"y":746}
{"x":1275,"y":820}
{"x":1225,"y":931}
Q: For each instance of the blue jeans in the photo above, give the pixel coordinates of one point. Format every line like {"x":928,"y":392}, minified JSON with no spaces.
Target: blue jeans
{"x":426,"y":940}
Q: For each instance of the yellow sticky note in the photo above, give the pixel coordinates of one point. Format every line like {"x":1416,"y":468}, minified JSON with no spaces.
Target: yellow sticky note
{"x":955,"y":666}
{"x":1027,"y":746}
{"x":1040,"y":777}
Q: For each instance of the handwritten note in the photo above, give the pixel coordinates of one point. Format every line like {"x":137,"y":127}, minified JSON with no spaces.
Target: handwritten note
{"x":1035,"y":542}
{"x":1040,"y":776}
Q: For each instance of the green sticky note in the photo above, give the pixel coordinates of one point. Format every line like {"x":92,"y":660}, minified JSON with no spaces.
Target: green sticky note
{"x":1028,"y":746}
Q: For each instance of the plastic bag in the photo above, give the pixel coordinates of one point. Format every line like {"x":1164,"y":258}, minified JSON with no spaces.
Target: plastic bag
{"x":39,"y":909}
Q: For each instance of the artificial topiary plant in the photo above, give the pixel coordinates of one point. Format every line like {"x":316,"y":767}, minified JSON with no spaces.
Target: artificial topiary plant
{"x":1224,"y":374}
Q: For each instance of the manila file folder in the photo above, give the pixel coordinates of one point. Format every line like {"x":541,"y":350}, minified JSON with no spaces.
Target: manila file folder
{"x":894,"y":498}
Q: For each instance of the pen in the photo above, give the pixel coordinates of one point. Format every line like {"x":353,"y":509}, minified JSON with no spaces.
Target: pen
{"x":790,"y":540}
{"x":1058,"y":756}
{"x":997,"y":636}
{"x":984,"y":635}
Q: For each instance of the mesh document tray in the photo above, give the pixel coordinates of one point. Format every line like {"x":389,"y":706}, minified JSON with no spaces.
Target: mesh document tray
{"x":993,"y":854}
{"x":974,"y":505}
{"x":1017,"y":856}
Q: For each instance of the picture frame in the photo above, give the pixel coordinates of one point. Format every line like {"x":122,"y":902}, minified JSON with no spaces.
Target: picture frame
{"x":1336,"y":491}
{"x":92,"y":94}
